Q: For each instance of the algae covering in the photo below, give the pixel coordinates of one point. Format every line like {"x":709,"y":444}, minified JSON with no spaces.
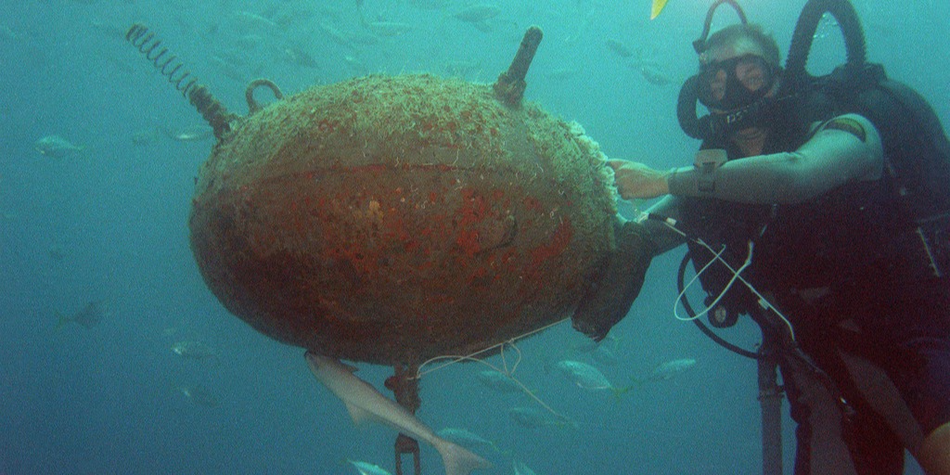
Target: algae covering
{"x":393,"y":219}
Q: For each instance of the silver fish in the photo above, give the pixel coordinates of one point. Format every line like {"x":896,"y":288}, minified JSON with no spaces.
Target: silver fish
{"x":199,"y":395}
{"x":145,"y":136}
{"x":498,"y":382}
{"x":653,"y":74}
{"x":247,"y":22}
{"x":56,"y":147}
{"x":191,"y":134}
{"x":583,"y":375}
{"x":194,"y":350}
{"x":364,"y":403}
{"x":477,"y":13}
{"x":336,"y":35}
{"x":670,"y":369}
{"x":533,"y":418}
{"x":300,"y":57}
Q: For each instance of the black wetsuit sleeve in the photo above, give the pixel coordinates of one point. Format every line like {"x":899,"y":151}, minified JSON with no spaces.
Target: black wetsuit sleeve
{"x":662,"y":236}
{"x":843,"y":150}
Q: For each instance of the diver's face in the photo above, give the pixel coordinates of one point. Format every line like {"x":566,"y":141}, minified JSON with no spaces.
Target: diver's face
{"x":734,"y":75}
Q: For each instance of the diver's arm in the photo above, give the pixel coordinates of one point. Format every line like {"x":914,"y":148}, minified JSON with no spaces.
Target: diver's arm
{"x":835,"y":155}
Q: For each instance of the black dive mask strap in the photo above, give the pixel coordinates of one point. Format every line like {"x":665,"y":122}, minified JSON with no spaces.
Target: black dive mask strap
{"x":700,"y":44}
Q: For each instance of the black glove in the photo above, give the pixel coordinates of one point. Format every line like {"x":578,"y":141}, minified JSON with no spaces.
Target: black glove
{"x":609,"y":299}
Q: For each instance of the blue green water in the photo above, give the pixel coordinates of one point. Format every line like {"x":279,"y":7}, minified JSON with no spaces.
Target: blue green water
{"x":110,"y":223}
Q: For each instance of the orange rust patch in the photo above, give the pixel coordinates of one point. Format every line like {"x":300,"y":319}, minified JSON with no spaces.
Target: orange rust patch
{"x":558,"y":243}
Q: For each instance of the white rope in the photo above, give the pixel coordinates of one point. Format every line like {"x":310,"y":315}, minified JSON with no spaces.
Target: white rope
{"x":504,"y":370}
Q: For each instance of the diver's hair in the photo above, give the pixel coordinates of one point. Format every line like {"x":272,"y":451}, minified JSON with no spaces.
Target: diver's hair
{"x":754,"y":32}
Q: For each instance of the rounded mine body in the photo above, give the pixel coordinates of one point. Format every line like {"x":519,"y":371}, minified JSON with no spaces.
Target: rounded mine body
{"x":393,"y":219}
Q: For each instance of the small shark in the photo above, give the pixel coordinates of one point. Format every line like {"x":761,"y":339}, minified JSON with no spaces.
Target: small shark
{"x":521,"y":469}
{"x":364,"y":402}
{"x":366,"y":468}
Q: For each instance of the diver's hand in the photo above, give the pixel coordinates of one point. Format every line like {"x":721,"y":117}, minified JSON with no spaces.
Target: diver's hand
{"x":636,"y":180}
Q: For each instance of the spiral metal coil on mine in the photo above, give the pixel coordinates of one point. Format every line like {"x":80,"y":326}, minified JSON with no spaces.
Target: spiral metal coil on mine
{"x":167,"y":63}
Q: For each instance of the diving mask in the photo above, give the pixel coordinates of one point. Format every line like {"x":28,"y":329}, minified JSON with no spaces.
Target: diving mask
{"x":735,"y":82}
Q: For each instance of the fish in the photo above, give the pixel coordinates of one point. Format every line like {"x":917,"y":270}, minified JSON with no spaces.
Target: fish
{"x":145,"y":136}
{"x":656,"y":8}
{"x":366,"y":468}
{"x":461,"y":69}
{"x":110,"y":29}
{"x":191,"y":134}
{"x":381,"y":27}
{"x":534,"y":418}
{"x":248,"y":22}
{"x":482,"y":26}
{"x":300,"y":57}
{"x":618,"y":48}
{"x":429,"y":4}
{"x":192,"y":349}
{"x":521,"y":469}
{"x":199,"y":395}
{"x":653,"y":74}
{"x":603,"y":352}
{"x":669,"y":369}
{"x":498,"y":382}
{"x":365,"y":403}
{"x":88,"y":317}
{"x":466,"y":438}
{"x":336,"y":35}
{"x":55,"y":146}
{"x":388,"y":28}
{"x":249,"y":41}
{"x":57,"y":252}
{"x":605,"y":356}
{"x":477,"y":13}
{"x":587,"y":377}
{"x":361,"y":38}
{"x":228,"y":69}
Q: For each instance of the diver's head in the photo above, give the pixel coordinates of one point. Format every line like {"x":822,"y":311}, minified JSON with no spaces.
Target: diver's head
{"x":738,"y":66}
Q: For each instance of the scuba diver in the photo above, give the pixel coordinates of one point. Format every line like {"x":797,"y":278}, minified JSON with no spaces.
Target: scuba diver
{"x":820,"y":207}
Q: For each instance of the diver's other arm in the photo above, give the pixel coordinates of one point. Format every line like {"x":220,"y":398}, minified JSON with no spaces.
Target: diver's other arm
{"x":611,"y":296}
{"x":845,"y":149}
{"x":662,"y":237}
